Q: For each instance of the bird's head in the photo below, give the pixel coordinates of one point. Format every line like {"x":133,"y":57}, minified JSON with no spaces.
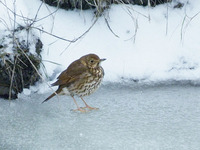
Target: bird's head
{"x":91,"y":60}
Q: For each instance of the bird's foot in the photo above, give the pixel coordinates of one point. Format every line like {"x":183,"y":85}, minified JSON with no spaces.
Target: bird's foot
{"x":80,"y":109}
{"x":90,"y":108}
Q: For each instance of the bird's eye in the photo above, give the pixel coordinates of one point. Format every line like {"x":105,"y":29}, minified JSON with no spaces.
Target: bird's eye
{"x":91,"y":61}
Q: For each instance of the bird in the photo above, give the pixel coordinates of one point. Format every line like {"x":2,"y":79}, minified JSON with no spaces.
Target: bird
{"x":82,"y":78}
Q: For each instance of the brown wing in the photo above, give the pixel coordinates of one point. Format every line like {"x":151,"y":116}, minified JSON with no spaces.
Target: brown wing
{"x":71,"y":74}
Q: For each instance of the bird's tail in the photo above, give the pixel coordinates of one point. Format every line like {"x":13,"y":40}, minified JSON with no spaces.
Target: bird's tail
{"x":52,"y":95}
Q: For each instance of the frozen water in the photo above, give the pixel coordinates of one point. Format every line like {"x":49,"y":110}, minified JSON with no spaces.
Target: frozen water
{"x":155,"y":117}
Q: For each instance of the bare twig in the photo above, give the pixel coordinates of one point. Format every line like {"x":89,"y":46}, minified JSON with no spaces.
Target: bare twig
{"x":53,"y":15}
{"x":41,"y":30}
{"x":149,"y":5}
{"x":47,"y":15}
{"x":72,"y":41}
{"x":184,"y":27}
{"x":52,"y":62}
{"x":131,"y":8}
{"x":4,"y":23}
{"x":167,"y":15}
{"x":12,"y":78}
{"x":110,"y":28}
{"x":8,"y":13}
{"x":10,"y":10}
{"x":34,"y":20}
{"x":65,"y":48}
{"x":14,"y":14}
{"x":26,"y":18}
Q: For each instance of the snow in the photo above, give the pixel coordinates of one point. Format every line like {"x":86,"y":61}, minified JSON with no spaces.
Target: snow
{"x":154,"y":44}
{"x":26,"y":91}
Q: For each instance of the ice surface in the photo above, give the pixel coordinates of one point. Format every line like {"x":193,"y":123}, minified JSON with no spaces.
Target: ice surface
{"x":130,"y":118}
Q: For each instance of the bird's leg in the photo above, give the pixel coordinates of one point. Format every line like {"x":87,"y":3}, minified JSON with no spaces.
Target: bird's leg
{"x":78,"y":108}
{"x":87,"y":106}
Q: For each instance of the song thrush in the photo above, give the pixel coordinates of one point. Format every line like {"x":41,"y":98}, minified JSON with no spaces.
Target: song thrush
{"x":81,"y":78}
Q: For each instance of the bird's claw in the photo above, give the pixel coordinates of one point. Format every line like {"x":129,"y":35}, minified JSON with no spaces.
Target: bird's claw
{"x":90,"y":108}
{"x":85,"y":109}
{"x":80,"y":109}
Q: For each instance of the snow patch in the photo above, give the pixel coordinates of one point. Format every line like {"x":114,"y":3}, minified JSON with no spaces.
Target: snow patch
{"x":153,"y":44}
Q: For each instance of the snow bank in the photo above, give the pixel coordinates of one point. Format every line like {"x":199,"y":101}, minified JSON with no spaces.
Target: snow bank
{"x":153,"y":44}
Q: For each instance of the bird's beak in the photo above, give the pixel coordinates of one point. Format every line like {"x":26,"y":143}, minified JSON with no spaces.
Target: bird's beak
{"x":102,"y":59}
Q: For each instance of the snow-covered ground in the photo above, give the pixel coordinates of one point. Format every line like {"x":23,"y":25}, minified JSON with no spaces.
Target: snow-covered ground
{"x":153,"y":44}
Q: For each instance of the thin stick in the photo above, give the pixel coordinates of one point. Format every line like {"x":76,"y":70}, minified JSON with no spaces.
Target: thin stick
{"x":14,"y":20}
{"x":110,"y":28}
{"x":167,"y":18}
{"x":11,"y":81}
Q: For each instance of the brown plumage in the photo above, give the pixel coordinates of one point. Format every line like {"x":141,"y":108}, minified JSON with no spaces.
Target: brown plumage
{"x":81,"y":78}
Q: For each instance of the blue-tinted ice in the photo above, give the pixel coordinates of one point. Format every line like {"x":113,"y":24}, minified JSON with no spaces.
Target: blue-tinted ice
{"x":129,"y":118}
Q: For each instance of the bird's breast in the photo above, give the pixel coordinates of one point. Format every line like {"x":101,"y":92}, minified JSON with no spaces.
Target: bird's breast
{"x":88,"y":84}
{"x":99,"y":72}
